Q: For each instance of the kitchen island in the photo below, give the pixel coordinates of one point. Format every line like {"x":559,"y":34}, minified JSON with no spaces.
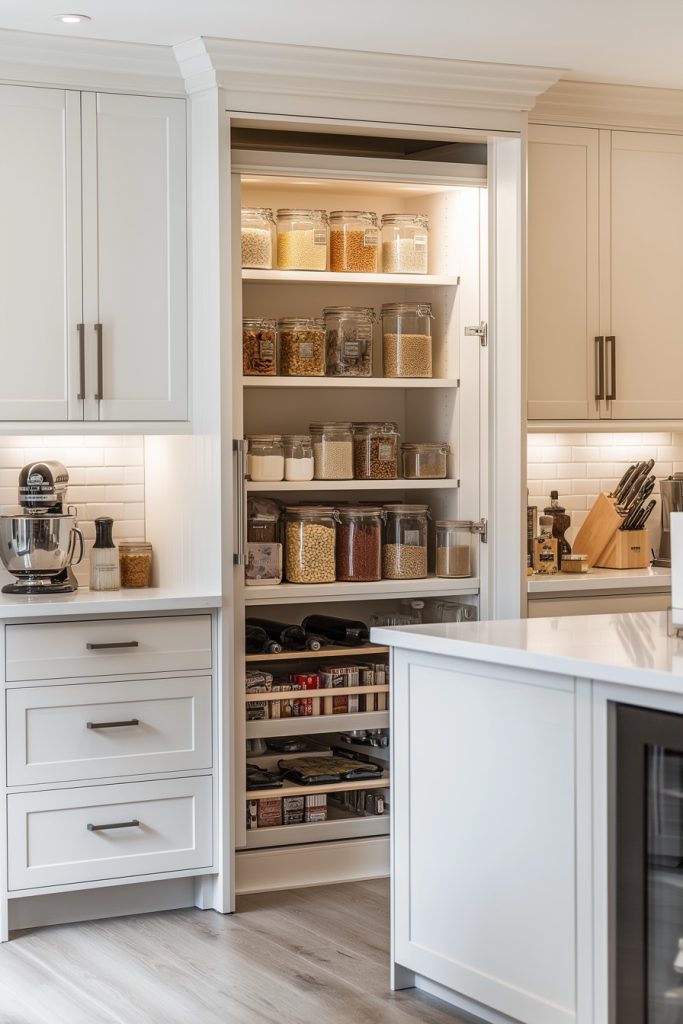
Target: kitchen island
{"x":504,"y":848}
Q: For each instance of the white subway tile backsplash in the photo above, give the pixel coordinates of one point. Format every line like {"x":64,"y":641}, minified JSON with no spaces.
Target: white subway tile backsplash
{"x":125,"y":457}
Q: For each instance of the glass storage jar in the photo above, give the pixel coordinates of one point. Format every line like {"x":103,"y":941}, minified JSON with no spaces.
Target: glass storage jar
{"x":453,"y":547}
{"x":375,"y":451}
{"x":404,"y":553}
{"x":359,"y":544}
{"x":405,"y":243}
{"x":348,"y":340}
{"x":354,"y":241}
{"x":135,"y":563}
{"x":302,"y":239}
{"x":425,"y":460}
{"x":407,"y":339}
{"x":259,"y":348}
{"x":265,"y":457}
{"x":302,"y":347}
{"x":332,"y":450}
{"x":264,"y":551}
{"x":298,"y":457}
{"x":310,"y":539}
{"x":258,"y":234}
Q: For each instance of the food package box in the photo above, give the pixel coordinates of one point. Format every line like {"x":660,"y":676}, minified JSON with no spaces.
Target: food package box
{"x":315,"y":807}
{"x":258,"y":682}
{"x":252,"y":814}
{"x":310,"y":705}
{"x":257,"y":710}
{"x":292,"y":810}
{"x":263,"y":567}
{"x":269,"y":812}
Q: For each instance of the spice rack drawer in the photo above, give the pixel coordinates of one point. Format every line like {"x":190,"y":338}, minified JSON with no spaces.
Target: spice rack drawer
{"x":100,"y":730}
{"x":71,"y":836}
{"x":102,"y":647}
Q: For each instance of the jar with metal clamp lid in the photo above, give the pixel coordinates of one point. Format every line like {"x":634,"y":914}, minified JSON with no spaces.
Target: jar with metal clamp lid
{"x":404,"y":554}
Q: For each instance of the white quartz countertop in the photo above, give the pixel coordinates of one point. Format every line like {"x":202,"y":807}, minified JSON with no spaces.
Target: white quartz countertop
{"x":87,"y":602}
{"x":631,"y":649}
{"x":654,"y":578}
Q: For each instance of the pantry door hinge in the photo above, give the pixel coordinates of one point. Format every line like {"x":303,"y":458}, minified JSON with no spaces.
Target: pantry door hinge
{"x":480,"y":332}
{"x":482,"y":528}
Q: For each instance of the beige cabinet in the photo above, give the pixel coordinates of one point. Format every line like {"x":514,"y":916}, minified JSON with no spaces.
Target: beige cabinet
{"x":605,"y":266}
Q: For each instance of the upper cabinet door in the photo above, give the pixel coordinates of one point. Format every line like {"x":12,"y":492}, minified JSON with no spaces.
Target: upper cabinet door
{"x":135,"y":257}
{"x":643,"y":196}
{"x":40,"y":254}
{"x":563,"y":291}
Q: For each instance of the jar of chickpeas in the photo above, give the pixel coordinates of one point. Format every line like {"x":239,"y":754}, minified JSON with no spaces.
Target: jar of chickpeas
{"x":302,"y":239}
{"x":310,"y":542}
{"x":354,"y":242}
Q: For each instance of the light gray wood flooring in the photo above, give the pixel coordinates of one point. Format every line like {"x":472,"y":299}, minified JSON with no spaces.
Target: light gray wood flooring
{"x":308,"y":956}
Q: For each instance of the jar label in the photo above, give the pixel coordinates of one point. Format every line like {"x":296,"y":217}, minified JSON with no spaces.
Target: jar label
{"x":320,"y":236}
{"x":412,"y":537}
{"x":306,"y":350}
{"x":385,"y":452}
{"x":351,"y":348}
{"x":370,"y":239}
{"x":420,"y":239}
{"x":266,"y":348}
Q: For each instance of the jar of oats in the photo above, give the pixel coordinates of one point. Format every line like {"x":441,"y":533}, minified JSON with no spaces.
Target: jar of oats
{"x":407,"y":339}
{"x":405,"y":243}
{"x":354,"y":242}
{"x":310,"y":540}
{"x":404,"y":553}
{"x":258,"y":235}
{"x":135,"y":562}
{"x":302,"y":347}
{"x":332,"y":450}
{"x":301,"y":239}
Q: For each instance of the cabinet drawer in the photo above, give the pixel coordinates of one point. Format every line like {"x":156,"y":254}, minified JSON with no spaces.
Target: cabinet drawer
{"x":167,"y":827}
{"x":102,"y":647}
{"x":73,"y":732}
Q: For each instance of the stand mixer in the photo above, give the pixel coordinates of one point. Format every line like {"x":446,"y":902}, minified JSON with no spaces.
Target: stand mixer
{"x":39,"y":545}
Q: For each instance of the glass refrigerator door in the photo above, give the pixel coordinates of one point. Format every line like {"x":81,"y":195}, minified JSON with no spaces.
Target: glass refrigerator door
{"x":664,"y":886}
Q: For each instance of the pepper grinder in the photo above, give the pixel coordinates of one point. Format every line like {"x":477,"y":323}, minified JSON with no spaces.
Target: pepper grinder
{"x":104,"y":558}
{"x":561,"y":523}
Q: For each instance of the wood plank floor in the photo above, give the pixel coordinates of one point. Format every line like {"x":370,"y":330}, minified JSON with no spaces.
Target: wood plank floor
{"x":308,"y":956}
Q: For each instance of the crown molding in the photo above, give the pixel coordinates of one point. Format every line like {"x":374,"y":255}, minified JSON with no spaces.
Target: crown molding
{"x":308,"y":81}
{"x":36,"y":59}
{"x":598,"y":105}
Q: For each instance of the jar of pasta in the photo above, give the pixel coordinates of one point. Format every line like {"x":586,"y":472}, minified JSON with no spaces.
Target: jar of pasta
{"x":259,"y":349}
{"x":302,"y":347}
{"x":354,"y":242}
{"x":302,"y":239}
{"x":348,"y":340}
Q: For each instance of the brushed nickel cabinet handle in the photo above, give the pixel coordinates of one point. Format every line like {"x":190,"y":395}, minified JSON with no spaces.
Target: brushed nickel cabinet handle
{"x":600,"y":367}
{"x":239,"y":447}
{"x":81,"y":361}
{"x":112,"y":646}
{"x":611,"y":341}
{"x":112,"y":725}
{"x":114,"y":824}
{"x":100,"y":387}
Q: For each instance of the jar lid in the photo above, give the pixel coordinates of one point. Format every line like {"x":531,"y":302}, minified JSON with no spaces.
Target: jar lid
{"x":143,"y":546}
{"x":460,"y":524}
{"x":355,"y":215}
{"x":360,"y":510}
{"x":312,"y":214}
{"x":308,"y":323}
{"x":340,"y":425}
{"x":297,"y":438}
{"x":422,"y":446}
{"x":270,"y":323}
{"x":416,"y":308}
{"x":406,"y":218}
{"x":264,"y":437}
{"x":258,"y":211}
{"x":375,"y":428}
{"x":310,"y":510}
{"x":397,"y":507}
{"x":367,"y":312}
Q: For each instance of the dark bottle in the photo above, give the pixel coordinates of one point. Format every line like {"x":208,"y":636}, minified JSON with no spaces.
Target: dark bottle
{"x":345,"y":632}
{"x":257,"y":641}
{"x":291,"y":637}
{"x":561,"y":523}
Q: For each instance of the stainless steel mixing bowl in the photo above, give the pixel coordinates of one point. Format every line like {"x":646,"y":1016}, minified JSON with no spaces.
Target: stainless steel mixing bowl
{"x":38,"y":546}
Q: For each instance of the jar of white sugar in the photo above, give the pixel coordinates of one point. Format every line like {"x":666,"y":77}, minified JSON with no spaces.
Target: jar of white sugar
{"x":265,"y":457}
{"x":298,"y":457}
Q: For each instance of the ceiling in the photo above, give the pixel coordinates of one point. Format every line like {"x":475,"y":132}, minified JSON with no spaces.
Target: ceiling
{"x":624,"y":41}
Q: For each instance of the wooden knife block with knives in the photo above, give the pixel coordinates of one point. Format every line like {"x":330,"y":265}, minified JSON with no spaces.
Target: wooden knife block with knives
{"x":614,"y":535}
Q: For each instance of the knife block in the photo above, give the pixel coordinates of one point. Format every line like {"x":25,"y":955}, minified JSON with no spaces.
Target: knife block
{"x":628,"y":549}
{"x":601,"y":524}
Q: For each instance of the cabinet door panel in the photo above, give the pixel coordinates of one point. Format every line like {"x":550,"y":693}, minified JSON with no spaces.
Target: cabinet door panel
{"x":646,"y":261}
{"x":40,"y":254}
{"x":134,"y":159}
{"x":563,"y":293}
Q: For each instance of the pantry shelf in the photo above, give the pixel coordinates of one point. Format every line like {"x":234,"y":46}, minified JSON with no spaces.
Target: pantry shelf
{"x":329,"y":277}
{"x":352,"y":827}
{"x":353,"y":485}
{"x":316,"y":724}
{"x":379,"y":383}
{"x":362,"y":651}
{"x":305,"y":593}
{"x":291,"y":788}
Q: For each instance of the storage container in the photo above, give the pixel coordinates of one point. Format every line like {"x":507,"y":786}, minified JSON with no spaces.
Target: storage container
{"x":258,"y":234}
{"x":259,"y":347}
{"x":407,"y":339}
{"x":263,"y":527}
{"x":359,"y":544}
{"x":310,"y":538}
{"x":404,"y":554}
{"x":405,"y":243}
{"x":332,"y":450}
{"x":426,"y":460}
{"x":375,"y":451}
{"x":354,"y":242}
{"x":265,"y":457}
{"x":348,"y":340}
{"x":302,"y":347}
{"x":135,"y":563}
{"x":298,"y":457}
{"x":453,"y":547}
{"x":302,"y":239}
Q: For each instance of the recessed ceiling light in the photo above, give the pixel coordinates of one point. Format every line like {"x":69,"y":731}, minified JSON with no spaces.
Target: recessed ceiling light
{"x":72,"y":19}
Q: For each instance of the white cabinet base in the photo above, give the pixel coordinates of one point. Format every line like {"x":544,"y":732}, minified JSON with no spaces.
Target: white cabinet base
{"x":314,"y":864}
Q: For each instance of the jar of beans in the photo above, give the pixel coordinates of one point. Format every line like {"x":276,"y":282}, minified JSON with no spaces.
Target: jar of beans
{"x":348,"y":340}
{"x":332,"y":450}
{"x":407,"y":339}
{"x":354,"y":241}
{"x":359,"y":544}
{"x":258,"y":234}
{"x":404,"y":553}
{"x":453,"y":547}
{"x":302,"y":239}
{"x":405,"y":243}
{"x":424,"y":460}
{"x":302,"y":347}
{"x":259,"y":349}
{"x":375,"y":451}
{"x":310,"y":541}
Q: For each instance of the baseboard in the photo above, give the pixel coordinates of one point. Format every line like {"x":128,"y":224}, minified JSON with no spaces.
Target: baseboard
{"x":467,"y":1008}
{"x":294,"y":867}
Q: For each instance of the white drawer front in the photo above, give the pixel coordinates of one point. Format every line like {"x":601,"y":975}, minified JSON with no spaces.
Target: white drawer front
{"x":102,"y":647}
{"x":74,"y":732}
{"x":50,"y":844}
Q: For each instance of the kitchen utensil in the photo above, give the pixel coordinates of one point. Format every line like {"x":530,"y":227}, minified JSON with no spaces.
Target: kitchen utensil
{"x":624,"y":483}
{"x":672,"y":501}
{"x":636,"y":505}
{"x":645,"y":468}
{"x":644,"y":515}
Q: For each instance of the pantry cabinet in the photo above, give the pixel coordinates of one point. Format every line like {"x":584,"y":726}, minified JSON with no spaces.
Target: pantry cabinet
{"x":94,"y":256}
{"x":605,"y":264}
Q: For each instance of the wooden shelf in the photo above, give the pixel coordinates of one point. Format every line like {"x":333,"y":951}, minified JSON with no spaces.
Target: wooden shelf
{"x":292,"y":789}
{"x":351,"y":827}
{"x":316,"y":724}
{"x":330,"y":277}
{"x":351,"y":485}
{"x":329,"y":691}
{"x":351,"y":382}
{"x":326,"y":652}
{"x":314,"y":593}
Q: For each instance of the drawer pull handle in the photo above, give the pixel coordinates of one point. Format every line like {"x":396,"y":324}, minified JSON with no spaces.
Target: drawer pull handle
{"x":110,"y":647}
{"x":112,"y":725}
{"x":115,"y":824}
